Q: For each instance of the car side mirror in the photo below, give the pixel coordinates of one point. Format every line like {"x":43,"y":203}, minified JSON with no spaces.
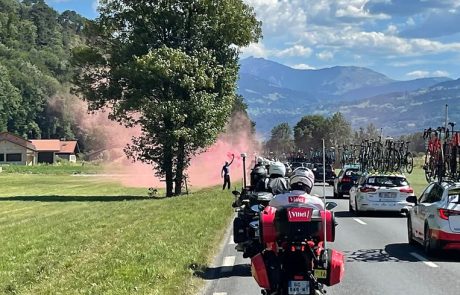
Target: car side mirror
{"x":412,"y":199}
{"x":331,"y":205}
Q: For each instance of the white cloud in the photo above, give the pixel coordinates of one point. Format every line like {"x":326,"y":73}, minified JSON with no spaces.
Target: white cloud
{"x":392,"y":30}
{"x":296,"y":50}
{"x":418,"y":74}
{"x":325,"y":55}
{"x":440,"y":74}
{"x":424,"y":74}
{"x":256,"y":50}
{"x":303,"y":67}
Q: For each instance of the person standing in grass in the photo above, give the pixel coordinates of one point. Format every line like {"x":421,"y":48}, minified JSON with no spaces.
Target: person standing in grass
{"x":225,"y":173}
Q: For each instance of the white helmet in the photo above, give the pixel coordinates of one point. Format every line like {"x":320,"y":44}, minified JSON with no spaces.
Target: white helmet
{"x":304,"y":176}
{"x":277,"y":168}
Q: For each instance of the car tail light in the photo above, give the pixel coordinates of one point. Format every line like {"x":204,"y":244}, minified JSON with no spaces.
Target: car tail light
{"x":367,"y":189}
{"x":407,"y":190}
{"x":445,"y":213}
{"x":346,"y":179}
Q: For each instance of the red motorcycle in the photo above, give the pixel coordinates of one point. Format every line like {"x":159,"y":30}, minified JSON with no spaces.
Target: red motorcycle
{"x":295,"y":260}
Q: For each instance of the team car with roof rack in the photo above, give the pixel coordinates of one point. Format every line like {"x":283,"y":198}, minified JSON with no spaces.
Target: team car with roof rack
{"x":380,"y":192}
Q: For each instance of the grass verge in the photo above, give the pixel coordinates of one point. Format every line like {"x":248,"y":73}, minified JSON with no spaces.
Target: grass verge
{"x":71,"y":235}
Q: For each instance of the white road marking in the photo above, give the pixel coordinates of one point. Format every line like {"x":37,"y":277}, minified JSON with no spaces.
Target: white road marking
{"x":231,"y":241}
{"x":423,"y":259}
{"x":227,"y":264}
{"x":359,"y":221}
{"x":219,"y":293}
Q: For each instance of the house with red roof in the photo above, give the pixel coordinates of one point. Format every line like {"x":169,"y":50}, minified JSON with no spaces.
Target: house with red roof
{"x":17,"y":150}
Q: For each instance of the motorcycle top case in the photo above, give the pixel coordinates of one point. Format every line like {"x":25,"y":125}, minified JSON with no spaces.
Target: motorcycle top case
{"x":297,"y":223}
{"x":335,"y":269}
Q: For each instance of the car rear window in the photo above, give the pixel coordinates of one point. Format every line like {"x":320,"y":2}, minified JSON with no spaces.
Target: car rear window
{"x":454,"y":196}
{"x":387,"y":181}
{"x":352,"y":172}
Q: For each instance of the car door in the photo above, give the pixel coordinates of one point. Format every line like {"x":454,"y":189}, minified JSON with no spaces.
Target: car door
{"x":354,"y":191}
{"x":418,"y":221}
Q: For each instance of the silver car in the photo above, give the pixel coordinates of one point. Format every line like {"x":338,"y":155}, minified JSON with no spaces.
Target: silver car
{"x":434,"y":221}
{"x":380,"y":192}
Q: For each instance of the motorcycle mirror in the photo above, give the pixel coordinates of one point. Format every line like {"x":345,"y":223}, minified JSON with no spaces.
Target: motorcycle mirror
{"x":236,"y":193}
{"x":331,"y":205}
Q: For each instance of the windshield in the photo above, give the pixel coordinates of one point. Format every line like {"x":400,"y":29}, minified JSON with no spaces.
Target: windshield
{"x":454,"y":196}
{"x":353,"y":172}
{"x":387,"y":181}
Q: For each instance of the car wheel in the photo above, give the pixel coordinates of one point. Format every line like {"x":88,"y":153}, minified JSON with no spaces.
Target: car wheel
{"x":357,"y":211}
{"x":430,"y":245}
{"x":410,"y":235}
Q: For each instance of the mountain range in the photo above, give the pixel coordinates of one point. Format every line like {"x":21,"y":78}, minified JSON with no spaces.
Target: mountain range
{"x":276,"y":93}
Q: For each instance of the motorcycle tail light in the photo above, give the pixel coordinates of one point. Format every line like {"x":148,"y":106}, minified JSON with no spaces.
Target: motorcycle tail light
{"x":346,"y":179}
{"x":367,"y":189}
{"x":408,"y":190}
{"x":445,"y":213}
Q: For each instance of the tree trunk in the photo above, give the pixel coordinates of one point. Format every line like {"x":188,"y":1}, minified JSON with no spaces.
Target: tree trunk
{"x":180,"y":167}
{"x":168,"y":167}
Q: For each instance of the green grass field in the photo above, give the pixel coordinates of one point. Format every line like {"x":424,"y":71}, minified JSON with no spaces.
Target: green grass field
{"x":59,"y":169}
{"x":62,"y":234}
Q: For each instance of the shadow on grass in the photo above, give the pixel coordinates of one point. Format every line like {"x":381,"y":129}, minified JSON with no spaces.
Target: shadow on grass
{"x":77,"y":198}
{"x":215,"y":273}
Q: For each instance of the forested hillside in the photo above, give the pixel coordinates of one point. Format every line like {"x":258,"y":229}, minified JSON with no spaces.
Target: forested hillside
{"x":35,"y":68}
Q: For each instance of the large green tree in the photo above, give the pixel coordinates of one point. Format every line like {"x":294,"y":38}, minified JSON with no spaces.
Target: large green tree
{"x":169,"y":66}
{"x":312,"y":129}
{"x":309,"y":132}
{"x":281,"y":139}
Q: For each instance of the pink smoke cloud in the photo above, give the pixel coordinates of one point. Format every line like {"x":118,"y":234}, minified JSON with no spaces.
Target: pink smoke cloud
{"x":205,"y":168}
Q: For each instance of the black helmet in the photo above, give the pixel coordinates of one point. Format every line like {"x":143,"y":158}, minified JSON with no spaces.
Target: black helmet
{"x":257,"y":174}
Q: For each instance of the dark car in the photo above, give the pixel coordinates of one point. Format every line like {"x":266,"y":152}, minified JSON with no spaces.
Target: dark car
{"x":318,"y":171}
{"x":345,"y":180}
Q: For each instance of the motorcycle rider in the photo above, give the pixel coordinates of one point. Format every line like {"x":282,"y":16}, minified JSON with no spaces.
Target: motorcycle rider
{"x":258,"y":176}
{"x":277,"y":183}
{"x":302,"y":182}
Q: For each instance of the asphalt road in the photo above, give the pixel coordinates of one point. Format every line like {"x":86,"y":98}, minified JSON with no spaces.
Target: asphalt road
{"x":378,"y":260}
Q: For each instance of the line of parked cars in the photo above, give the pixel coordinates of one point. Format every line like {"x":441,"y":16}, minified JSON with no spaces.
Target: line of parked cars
{"x":433,"y":218}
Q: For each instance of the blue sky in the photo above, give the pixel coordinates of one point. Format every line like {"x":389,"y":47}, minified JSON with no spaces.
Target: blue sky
{"x":404,"y":39}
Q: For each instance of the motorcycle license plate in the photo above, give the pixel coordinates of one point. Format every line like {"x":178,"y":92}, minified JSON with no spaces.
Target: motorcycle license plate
{"x":320,"y":273}
{"x":299,"y":288}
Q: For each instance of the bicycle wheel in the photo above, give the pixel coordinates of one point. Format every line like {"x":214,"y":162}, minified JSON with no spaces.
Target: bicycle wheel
{"x":428,"y":167}
{"x":409,"y":162}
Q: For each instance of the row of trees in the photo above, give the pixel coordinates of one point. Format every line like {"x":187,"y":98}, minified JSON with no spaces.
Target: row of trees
{"x":308,"y":133}
{"x":35,"y":51}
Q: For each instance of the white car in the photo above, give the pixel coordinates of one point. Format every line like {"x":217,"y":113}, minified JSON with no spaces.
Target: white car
{"x":434,"y":221}
{"x":380,"y":192}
